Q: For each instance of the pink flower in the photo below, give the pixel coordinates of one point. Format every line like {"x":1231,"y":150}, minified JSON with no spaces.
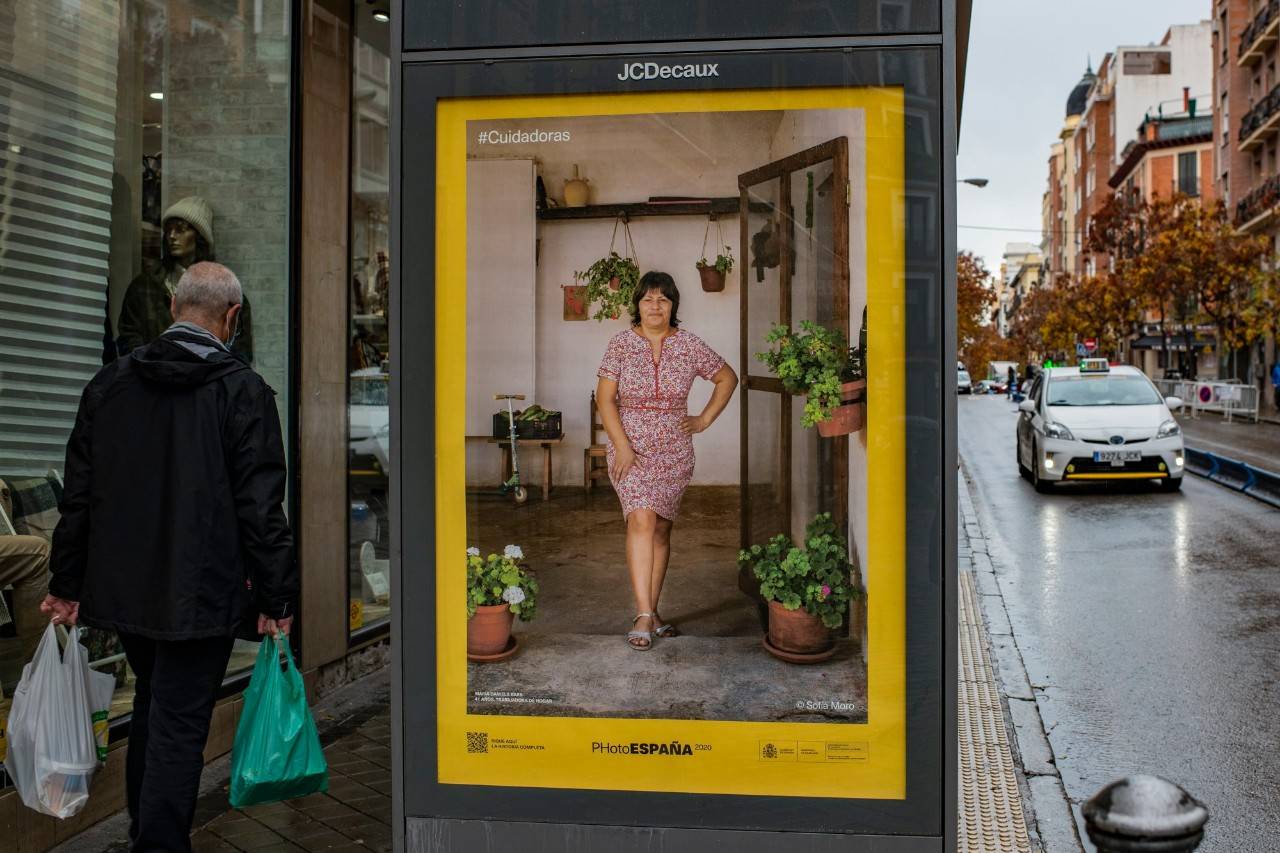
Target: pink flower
{"x":826,"y":591}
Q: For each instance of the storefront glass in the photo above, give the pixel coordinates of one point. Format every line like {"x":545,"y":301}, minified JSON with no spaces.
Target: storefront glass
{"x":369,"y":353}
{"x":135,"y":138}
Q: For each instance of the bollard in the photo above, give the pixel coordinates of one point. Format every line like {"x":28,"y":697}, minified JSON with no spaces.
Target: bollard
{"x":1144,"y":814}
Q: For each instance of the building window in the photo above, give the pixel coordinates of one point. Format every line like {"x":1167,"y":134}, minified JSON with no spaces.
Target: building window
{"x":1224,"y":37}
{"x":1226,"y":123}
{"x":138,"y":139}
{"x":369,"y":353}
{"x":1188,"y":173}
{"x":1146,"y":62}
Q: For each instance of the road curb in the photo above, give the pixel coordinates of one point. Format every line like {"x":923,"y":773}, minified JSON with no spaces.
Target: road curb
{"x":1051,"y":818}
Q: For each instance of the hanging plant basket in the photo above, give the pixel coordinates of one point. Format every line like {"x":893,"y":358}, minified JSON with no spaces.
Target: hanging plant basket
{"x":713,"y":273}
{"x":611,"y":281}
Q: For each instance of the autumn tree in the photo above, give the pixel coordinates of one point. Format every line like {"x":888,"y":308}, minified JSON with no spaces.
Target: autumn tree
{"x":1199,"y":265}
{"x":976,"y":341}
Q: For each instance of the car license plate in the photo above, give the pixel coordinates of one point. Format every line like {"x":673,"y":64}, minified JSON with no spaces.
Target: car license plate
{"x":1117,"y":458}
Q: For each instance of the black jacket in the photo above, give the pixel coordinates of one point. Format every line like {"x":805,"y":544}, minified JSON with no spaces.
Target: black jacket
{"x":172,"y":525}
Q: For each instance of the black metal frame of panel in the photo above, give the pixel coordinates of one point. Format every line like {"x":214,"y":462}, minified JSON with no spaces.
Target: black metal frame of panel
{"x":436,"y":817}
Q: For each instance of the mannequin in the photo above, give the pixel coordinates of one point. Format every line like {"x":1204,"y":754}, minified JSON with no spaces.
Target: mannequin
{"x":187,"y":228}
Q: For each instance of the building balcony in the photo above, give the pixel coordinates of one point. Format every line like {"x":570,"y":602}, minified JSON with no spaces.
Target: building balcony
{"x":1262,"y":120}
{"x":1260,"y":34}
{"x":1258,"y":208}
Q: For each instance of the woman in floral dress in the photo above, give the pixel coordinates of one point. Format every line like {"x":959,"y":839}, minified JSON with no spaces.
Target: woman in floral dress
{"x":643,"y":397}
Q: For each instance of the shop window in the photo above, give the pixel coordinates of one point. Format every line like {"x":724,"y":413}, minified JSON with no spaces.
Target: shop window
{"x":136,"y":141}
{"x":369,"y":351}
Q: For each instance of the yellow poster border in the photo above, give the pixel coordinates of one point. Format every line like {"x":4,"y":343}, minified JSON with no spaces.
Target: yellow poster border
{"x":558,"y":750}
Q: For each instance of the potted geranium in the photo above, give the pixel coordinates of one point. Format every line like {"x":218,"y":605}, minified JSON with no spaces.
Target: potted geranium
{"x":812,"y":363}
{"x":808,"y":589}
{"x":499,"y":588}
{"x":610,"y":282}
{"x":712,"y":273}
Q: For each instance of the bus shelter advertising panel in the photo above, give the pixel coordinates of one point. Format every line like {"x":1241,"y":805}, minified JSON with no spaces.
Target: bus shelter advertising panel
{"x":683,"y":351}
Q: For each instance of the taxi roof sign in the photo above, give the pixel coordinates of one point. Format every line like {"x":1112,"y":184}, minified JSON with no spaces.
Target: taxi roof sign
{"x":1094,"y":365}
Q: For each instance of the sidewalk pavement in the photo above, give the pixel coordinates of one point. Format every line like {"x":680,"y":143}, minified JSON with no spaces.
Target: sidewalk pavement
{"x":995,"y":813}
{"x":1007,"y":758}
{"x":355,"y":814}
{"x":1257,"y":444}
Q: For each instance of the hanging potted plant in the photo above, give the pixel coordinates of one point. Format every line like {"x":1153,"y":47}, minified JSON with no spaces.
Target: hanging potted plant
{"x":712,"y":273}
{"x":611,"y":281}
{"x":499,"y":588}
{"x":853,"y":390}
{"x":811,"y":363}
{"x":808,"y":589}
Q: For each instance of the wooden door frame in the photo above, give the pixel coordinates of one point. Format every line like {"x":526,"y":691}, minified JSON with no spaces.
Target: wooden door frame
{"x":837,"y":151}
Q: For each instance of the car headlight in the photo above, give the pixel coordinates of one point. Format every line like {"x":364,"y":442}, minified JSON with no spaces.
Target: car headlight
{"x":1053,"y":429}
{"x":1168,"y":428}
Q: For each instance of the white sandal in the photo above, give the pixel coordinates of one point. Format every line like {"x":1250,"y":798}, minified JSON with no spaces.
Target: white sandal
{"x":647,"y":636}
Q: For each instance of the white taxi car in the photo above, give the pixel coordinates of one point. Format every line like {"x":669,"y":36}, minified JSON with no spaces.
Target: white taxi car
{"x":1097,"y":422}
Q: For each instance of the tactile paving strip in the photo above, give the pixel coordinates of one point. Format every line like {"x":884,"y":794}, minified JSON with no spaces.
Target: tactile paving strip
{"x":991,"y":819}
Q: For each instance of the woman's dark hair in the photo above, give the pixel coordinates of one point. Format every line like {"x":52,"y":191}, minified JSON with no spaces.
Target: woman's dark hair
{"x":664,"y":284}
{"x":204,"y":252}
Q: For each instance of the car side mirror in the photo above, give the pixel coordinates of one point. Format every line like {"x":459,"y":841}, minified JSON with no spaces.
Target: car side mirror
{"x":1027,"y":406}
{"x":1173,"y":403}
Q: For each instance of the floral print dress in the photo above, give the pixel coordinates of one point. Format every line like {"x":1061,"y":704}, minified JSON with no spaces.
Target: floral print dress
{"x":653,"y":399}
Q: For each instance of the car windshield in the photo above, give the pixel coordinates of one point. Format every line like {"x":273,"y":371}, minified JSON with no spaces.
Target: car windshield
{"x":1101,"y":390}
{"x":964,"y":376}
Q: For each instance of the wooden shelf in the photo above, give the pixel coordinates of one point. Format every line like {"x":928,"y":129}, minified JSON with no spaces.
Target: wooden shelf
{"x":721,"y":206}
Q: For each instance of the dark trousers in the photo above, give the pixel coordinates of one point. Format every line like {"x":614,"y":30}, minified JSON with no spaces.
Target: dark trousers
{"x":177,"y":682}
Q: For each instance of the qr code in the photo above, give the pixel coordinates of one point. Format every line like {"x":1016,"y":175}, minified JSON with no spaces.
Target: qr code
{"x":477,"y":741}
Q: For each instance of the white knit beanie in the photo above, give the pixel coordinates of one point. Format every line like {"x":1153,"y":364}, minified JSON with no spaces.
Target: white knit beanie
{"x":196,"y":211}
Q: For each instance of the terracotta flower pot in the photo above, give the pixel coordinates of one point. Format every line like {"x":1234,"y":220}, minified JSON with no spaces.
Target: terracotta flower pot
{"x":853,"y":392}
{"x":797,"y":631}
{"x":712,"y":279}
{"x":489,"y":630}
{"x":845,"y":419}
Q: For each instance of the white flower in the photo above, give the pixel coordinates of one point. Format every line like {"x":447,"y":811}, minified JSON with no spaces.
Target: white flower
{"x":513,"y":595}
{"x":513,"y":552}
{"x":473,"y":552}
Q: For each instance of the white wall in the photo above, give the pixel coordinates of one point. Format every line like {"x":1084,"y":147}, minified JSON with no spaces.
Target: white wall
{"x":501,"y":299}
{"x":628,"y":160}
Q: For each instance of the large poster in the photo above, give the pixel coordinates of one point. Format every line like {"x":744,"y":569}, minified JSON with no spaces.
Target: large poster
{"x":671,"y":455}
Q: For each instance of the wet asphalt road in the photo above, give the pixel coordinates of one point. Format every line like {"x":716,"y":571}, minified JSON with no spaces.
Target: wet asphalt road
{"x":1149,"y":624}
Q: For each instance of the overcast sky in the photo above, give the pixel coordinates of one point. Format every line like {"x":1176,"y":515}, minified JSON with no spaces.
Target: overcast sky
{"x":1025,"y":56}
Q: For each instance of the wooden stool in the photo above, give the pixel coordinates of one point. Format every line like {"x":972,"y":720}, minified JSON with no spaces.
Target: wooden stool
{"x":591,"y":469}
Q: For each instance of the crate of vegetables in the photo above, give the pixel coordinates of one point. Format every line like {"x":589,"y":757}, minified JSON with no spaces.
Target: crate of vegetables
{"x":533,"y":422}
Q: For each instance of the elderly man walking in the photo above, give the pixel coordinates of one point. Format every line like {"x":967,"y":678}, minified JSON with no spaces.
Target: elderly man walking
{"x":173,"y":535}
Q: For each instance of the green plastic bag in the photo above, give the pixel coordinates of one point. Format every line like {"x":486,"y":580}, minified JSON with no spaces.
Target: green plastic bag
{"x":277,"y":754}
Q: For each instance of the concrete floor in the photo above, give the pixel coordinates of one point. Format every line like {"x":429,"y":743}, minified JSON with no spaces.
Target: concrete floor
{"x":573,"y":659}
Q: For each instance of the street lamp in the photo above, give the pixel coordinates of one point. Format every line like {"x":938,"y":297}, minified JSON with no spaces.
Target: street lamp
{"x":977,"y":182}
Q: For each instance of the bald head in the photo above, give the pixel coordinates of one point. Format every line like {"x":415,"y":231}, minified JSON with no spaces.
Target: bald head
{"x":208,"y":295}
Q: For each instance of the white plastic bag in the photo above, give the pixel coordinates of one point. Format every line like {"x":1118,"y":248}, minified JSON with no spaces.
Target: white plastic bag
{"x":52,"y":752}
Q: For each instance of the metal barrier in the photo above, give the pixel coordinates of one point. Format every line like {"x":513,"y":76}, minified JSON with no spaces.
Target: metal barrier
{"x":1253,"y":481}
{"x":1199,"y":462}
{"x":1231,"y":399}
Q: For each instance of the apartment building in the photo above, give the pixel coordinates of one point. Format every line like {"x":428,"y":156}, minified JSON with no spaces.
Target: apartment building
{"x":1133,"y":86}
{"x":1020,"y":272}
{"x":1246,"y":133}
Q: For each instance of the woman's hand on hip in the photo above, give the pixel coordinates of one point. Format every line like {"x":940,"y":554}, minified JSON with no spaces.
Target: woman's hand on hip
{"x":694,"y":424}
{"x":624,"y":458}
